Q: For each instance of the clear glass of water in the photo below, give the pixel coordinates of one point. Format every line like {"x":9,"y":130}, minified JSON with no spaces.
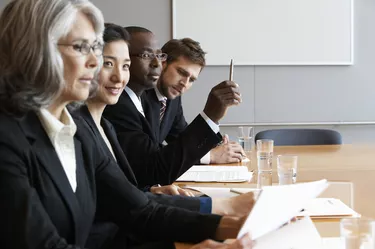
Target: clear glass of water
{"x":358,"y":233}
{"x":246,"y":139}
{"x":264,"y":158}
{"x":287,"y":169}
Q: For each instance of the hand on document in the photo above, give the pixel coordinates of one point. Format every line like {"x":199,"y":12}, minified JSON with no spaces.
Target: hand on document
{"x":170,"y":190}
{"x":238,"y":206}
{"x":243,"y":243}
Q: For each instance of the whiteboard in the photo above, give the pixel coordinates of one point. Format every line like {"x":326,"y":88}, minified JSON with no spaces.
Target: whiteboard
{"x":268,"y":32}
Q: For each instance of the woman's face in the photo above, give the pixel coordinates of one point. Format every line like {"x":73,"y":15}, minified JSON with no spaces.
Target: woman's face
{"x":79,"y":68}
{"x":114,"y":74}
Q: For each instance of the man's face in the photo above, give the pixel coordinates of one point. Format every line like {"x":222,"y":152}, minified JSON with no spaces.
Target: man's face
{"x":144,"y":71}
{"x":177,"y":77}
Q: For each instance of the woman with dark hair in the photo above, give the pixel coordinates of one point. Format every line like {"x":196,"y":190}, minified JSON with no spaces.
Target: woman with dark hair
{"x":54,"y":179}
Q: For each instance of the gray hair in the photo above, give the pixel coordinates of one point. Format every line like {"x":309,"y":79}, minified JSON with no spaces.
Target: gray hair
{"x":31,"y":66}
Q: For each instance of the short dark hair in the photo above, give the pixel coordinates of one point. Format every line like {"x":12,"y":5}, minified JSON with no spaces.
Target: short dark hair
{"x":113,"y":32}
{"x":137,"y":29}
{"x":185,"y":47}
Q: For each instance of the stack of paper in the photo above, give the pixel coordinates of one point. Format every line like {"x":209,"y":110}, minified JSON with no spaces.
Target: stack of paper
{"x":327,"y":208}
{"x":301,"y":234}
{"x":277,"y":205}
{"x":216,"y":174}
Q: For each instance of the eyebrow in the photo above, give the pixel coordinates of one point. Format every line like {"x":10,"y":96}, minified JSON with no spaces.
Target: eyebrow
{"x":151,"y":50}
{"x":85,"y":40}
{"x":186,"y":73}
{"x":115,"y":58}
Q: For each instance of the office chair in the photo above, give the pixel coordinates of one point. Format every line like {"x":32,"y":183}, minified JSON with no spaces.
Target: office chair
{"x":301,"y":136}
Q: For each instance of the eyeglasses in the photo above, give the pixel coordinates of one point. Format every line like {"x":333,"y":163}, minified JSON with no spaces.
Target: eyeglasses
{"x":85,"y":48}
{"x":151,"y":56}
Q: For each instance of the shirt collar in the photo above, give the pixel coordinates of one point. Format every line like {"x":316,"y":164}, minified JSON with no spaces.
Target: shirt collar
{"x":160,"y":96}
{"x":135,"y":100}
{"x":53,"y":126}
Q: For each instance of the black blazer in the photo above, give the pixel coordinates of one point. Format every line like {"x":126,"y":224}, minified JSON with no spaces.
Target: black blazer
{"x":151,"y":162}
{"x":38,"y":208}
{"x":190,"y":203}
{"x":173,"y":122}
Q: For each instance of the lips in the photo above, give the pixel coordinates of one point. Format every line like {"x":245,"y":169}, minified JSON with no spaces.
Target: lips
{"x":113,"y":90}
{"x":86,"y":80}
{"x":154,"y":76}
{"x":177,"y":90}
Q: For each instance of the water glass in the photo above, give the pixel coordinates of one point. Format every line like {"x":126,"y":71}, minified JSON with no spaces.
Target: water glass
{"x":287,"y":169}
{"x":358,"y":233}
{"x":264,"y":158}
{"x":246,"y":138}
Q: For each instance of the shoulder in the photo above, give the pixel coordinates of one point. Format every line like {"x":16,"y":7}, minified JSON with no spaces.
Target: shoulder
{"x":10,"y":125}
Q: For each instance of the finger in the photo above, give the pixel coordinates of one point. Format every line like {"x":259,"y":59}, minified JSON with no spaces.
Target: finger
{"x":249,"y":196}
{"x":184,"y":192}
{"x":237,"y":148}
{"x":207,"y":244}
{"x":213,"y":244}
{"x":226,"y":83}
{"x":156,"y":190}
{"x":173,"y":190}
{"x":226,"y":90}
{"x":237,"y":156}
{"x":230,"y":97}
{"x":225,"y":139}
{"x":232,"y":159}
{"x":244,"y":242}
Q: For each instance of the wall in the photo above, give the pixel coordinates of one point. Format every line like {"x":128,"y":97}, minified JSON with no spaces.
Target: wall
{"x":285,"y":91}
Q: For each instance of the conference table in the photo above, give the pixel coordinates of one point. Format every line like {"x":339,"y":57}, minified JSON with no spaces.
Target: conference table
{"x":342,"y":163}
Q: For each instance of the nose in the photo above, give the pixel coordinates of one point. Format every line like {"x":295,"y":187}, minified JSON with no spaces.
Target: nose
{"x":92,"y":60}
{"x":185,"y":81}
{"x":155,"y":63}
{"x":118,"y":75}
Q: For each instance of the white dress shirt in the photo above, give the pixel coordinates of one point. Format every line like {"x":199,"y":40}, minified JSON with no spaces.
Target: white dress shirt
{"x":136,"y":101}
{"x":61,"y":133}
{"x":206,"y":158}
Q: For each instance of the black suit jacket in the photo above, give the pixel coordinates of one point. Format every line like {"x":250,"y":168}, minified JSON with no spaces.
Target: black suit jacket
{"x":151,"y":162}
{"x":190,"y":203}
{"x":38,"y":208}
{"x":173,"y":123}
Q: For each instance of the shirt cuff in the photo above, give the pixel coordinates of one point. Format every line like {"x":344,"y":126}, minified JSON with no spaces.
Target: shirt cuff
{"x":205,"y":205}
{"x":212,"y":124}
{"x":206,"y":159}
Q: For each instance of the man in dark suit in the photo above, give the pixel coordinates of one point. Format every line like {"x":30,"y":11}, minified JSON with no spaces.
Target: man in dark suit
{"x":137,"y":122}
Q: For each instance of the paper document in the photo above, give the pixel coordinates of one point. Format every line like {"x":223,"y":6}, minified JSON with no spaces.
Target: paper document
{"x":327,"y":208}
{"x":301,"y":234}
{"x":216,"y":174}
{"x":277,"y":205}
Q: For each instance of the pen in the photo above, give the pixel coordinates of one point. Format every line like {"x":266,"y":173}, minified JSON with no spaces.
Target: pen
{"x":235,"y":191}
{"x":231,"y":70}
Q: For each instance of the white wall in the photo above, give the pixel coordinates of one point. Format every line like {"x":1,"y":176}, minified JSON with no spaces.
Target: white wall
{"x":280,"y":92}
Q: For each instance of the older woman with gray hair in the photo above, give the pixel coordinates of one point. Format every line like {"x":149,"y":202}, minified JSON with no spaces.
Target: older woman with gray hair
{"x":54,"y":180}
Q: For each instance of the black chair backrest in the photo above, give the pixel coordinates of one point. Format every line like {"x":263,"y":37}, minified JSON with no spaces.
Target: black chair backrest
{"x":301,"y":136}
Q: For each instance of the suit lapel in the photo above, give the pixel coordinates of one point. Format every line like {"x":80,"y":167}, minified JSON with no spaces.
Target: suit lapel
{"x":165,"y":124}
{"x":151,"y":106}
{"x":122,"y":161}
{"x":49,"y":159}
{"x":111,"y":135}
{"x":84,"y":193}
